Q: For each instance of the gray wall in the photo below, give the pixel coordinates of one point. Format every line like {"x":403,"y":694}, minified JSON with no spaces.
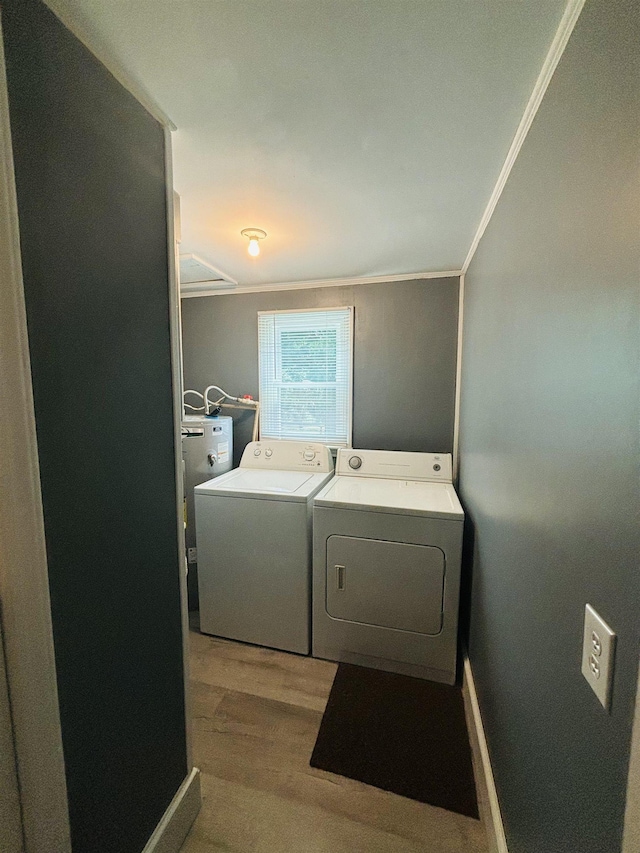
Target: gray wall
{"x":549,"y":446}
{"x":404,"y":356}
{"x":92,"y":208}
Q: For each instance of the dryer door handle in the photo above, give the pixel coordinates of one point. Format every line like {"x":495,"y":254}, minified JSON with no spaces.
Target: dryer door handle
{"x":341,"y":577}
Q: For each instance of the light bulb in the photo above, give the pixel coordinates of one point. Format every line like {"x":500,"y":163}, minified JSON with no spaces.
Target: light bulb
{"x":253,"y":235}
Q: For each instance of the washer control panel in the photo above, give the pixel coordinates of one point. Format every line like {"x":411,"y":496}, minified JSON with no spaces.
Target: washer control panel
{"x":288,"y":456}
{"x":395,"y":465}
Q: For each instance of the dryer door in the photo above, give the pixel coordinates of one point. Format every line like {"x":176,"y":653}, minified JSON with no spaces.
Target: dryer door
{"x":386,"y":584}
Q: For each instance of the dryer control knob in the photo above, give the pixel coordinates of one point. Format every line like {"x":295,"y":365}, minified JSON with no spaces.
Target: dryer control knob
{"x":309,"y":455}
{"x":268,"y":453}
{"x":355,"y":462}
{"x":257,"y":451}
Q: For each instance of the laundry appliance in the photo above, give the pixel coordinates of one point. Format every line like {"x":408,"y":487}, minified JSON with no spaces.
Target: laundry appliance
{"x":253,"y":527}
{"x":207,"y":451}
{"x":386,"y":563}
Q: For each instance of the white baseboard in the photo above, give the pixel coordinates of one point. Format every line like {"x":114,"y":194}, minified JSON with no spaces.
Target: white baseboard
{"x":488,"y":803}
{"x":175,"y":823}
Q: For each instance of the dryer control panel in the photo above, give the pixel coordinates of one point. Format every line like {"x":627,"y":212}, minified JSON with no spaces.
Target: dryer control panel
{"x":395,"y":465}
{"x":288,"y":456}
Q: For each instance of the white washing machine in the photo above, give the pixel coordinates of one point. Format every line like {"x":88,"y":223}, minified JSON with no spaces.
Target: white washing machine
{"x":386,"y":563}
{"x":253,"y":527}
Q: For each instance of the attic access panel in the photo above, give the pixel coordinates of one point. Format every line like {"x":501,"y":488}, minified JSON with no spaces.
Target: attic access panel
{"x":197,"y":274}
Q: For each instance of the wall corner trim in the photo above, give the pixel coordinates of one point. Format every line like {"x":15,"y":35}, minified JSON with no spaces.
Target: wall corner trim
{"x":552,"y":59}
{"x":487,"y":794}
{"x":175,"y":823}
{"x":458,"y":391}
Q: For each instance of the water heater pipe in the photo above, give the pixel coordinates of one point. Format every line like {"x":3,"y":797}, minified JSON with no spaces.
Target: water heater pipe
{"x":193,"y":408}
{"x":243,"y":402}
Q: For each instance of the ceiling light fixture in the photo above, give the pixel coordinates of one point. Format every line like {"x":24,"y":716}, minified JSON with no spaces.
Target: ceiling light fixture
{"x":254,"y":235}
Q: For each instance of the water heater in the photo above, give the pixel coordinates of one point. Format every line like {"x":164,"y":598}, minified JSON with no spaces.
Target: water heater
{"x":207,"y":451}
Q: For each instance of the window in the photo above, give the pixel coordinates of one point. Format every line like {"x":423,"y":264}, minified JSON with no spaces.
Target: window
{"x":306,"y":360}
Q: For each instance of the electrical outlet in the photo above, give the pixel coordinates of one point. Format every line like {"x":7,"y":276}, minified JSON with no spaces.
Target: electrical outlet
{"x":192,"y":555}
{"x":598,"y":649}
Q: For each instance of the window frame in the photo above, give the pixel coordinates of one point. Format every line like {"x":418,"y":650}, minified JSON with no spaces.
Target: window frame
{"x":350,"y":309}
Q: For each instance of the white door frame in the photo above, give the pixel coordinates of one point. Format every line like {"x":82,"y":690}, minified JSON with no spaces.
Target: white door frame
{"x":11,"y":837}
{"x":175,"y":320}
{"x":24,"y":584}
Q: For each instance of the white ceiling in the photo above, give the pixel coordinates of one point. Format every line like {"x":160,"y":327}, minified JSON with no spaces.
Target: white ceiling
{"x":365,"y":136}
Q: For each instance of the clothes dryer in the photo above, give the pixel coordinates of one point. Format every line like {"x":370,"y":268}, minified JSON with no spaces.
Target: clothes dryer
{"x":386,"y":564}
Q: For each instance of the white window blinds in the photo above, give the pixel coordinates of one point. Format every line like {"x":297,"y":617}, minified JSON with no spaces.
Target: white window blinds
{"x":306,"y":375}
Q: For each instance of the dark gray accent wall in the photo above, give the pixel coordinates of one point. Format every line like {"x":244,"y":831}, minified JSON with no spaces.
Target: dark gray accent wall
{"x":549,"y":446}
{"x":404,"y":356}
{"x":91,"y":197}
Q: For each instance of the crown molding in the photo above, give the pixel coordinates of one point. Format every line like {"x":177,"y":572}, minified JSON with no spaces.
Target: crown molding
{"x":324,"y":282}
{"x":563,"y":33}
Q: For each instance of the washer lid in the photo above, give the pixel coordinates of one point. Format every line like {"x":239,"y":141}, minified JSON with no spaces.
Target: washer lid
{"x":404,"y":497}
{"x":257,"y":483}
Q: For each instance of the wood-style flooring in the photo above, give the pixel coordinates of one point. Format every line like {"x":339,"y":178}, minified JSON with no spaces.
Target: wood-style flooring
{"x":256,"y":714}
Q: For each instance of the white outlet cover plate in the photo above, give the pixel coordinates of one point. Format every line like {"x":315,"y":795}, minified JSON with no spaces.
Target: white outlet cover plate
{"x":598,"y":650}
